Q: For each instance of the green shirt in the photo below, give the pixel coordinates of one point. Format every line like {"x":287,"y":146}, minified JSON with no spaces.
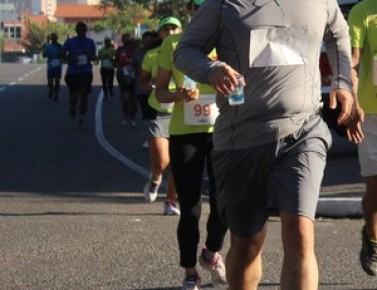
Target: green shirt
{"x":106,"y":56}
{"x":149,"y":64}
{"x":165,"y":60}
{"x":362,"y":21}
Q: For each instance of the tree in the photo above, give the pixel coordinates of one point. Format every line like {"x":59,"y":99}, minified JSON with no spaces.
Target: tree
{"x":123,"y":4}
{"x":125,"y":21}
{"x":154,"y":8}
{"x":36,"y":34}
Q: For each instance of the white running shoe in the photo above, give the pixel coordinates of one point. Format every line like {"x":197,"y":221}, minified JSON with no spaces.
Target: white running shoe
{"x":151,"y":190}
{"x":191,"y":282}
{"x":216,"y":267}
{"x":170,"y":208}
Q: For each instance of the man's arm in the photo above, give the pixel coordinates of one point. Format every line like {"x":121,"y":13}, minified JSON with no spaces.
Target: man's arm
{"x":337,"y":43}
{"x":354,"y":131}
{"x":164,"y":95}
{"x":198,"y":41}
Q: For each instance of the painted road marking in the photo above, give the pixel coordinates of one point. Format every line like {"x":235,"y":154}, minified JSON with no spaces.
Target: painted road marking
{"x":107,"y":146}
{"x":20,"y":79}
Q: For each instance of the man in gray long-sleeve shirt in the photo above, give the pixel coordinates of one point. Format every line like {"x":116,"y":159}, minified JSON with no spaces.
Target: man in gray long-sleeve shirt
{"x":270,"y":152}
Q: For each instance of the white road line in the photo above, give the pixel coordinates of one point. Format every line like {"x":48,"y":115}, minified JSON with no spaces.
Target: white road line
{"x":20,"y":79}
{"x":107,"y":146}
{"x":340,"y":199}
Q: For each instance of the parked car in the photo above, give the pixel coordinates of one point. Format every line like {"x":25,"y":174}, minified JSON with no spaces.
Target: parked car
{"x":330,"y":116}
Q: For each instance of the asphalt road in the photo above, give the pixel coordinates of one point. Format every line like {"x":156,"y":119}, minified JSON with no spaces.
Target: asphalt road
{"x":72,"y":215}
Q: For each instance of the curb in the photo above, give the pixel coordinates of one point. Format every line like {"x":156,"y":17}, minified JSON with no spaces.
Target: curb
{"x":339,"y":207}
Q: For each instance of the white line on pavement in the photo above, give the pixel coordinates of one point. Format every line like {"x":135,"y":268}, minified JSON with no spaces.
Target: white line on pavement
{"x":107,"y":146}
{"x":340,"y":199}
{"x":20,"y":79}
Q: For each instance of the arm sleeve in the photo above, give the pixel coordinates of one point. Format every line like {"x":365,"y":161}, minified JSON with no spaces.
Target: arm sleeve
{"x":146,"y":64}
{"x":338,"y":48}
{"x":198,"y":41}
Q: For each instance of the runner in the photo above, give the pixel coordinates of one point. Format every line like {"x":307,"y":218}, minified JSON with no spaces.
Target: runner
{"x":148,"y":41}
{"x":156,"y":126}
{"x":106,"y":56}
{"x":126,"y":78}
{"x":79,"y":51}
{"x":52,"y":51}
{"x":190,"y":147}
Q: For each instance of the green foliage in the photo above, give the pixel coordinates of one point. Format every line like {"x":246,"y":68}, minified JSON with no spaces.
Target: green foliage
{"x":153,"y":9}
{"x":176,"y":8}
{"x":125,"y":21}
{"x":123,"y":4}
{"x":36,"y":35}
{"x":1,"y":42}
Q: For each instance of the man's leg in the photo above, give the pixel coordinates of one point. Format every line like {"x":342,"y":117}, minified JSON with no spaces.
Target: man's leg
{"x":110,"y":83}
{"x":244,"y":261}
{"x":56,"y":87}
{"x":50,"y":84}
{"x":300,"y":269}
{"x":368,"y":253}
{"x":369,"y":204}
{"x":104,"y":82}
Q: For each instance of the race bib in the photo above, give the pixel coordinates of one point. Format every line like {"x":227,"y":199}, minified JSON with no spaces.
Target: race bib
{"x":82,"y":59}
{"x":128,"y":71}
{"x":278,"y":46}
{"x":167,"y":106}
{"x":107,"y":63}
{"x":55,"y":62}
{"x":202,"y":111}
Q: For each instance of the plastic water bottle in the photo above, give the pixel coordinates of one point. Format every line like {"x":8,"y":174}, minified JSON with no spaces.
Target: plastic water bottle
{"x":189,"y":83}
{"x":237,"y":96}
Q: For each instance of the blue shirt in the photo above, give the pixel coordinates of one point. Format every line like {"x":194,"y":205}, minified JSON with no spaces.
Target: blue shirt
{"x":81,"y":49}
{"x":52,"y":52}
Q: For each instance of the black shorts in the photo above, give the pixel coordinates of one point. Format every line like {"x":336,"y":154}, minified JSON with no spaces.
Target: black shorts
{"x":79,"y":82}
{"x":126,"y":84}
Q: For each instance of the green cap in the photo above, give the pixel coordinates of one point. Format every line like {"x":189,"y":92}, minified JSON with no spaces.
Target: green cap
{"x":169,"y":20}
{"x":107,"y":38}
{"x":198,"y":2}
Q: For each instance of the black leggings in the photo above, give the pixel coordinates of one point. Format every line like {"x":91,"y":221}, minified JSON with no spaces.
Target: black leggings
{"x":189,"y":155}
{"x":107,"y":78}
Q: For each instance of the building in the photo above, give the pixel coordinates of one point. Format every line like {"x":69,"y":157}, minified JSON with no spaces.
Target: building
{"x":12,"y":33}
{"x":85,"y":2}
{"x":89,"y":2}
{"x":45,"y":7}
{"x":72,"y":13}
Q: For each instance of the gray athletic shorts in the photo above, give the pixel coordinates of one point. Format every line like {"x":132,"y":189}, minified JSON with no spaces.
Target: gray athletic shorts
{"x":284,"y":176}
{"x":156,"y":128}
{"x":368,"y":148}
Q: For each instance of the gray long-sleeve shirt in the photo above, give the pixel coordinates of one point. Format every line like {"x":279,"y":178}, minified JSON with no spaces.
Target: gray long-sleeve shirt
{"x":276,"y":46}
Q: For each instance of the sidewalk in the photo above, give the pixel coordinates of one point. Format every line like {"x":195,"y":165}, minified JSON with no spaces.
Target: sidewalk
{"x":342,"y":187}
